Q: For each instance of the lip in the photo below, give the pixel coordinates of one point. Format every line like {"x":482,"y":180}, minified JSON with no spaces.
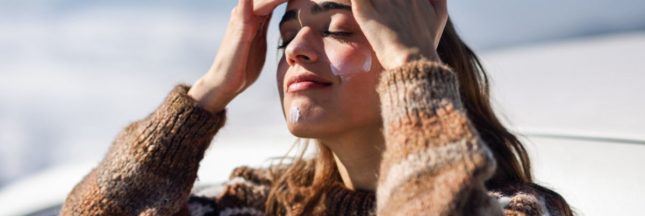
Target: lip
{"x":305,"y":81}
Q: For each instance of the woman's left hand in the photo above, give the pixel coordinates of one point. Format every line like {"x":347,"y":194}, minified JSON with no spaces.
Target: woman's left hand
{"x":402,"y":31}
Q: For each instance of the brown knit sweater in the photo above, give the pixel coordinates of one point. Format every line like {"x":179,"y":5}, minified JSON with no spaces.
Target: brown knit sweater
{"x":435,"y":163}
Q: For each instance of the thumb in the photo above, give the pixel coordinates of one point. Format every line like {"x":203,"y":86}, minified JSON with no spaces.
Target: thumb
{"x":440,"y":7}
{"x":441,"y":10}
{"x":363,"y":9}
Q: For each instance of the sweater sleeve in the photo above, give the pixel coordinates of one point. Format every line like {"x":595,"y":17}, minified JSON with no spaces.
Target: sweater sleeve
{"x":435,"y":163}
{"x":152,"y":164}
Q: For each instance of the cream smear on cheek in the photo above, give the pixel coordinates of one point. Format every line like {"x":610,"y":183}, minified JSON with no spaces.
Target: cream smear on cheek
{"x":346,"y":61}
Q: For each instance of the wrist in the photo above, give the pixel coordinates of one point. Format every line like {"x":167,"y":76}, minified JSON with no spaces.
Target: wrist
{"x":208,"y":97}
{"x":409,"y":55}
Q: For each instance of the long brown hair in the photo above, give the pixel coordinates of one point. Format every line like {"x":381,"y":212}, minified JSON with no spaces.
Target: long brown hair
{"x":299,"y":190}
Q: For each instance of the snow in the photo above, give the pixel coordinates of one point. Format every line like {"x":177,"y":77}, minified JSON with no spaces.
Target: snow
{"x":586,"y":88}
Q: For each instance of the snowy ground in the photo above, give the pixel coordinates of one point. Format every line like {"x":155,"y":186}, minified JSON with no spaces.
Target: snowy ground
{"x":589,"y":90}
{"x":74,"y":73}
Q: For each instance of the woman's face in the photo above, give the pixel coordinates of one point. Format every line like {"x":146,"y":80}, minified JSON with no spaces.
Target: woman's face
{"x":328,"y":74}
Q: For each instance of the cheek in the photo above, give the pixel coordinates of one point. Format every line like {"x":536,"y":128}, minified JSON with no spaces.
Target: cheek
{"x":359,"y":99}
{"x":281,"y":72}
{"x":348,"y":60}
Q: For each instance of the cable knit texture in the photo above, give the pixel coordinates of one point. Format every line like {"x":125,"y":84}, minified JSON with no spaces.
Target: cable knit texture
{"x":435,"y":163}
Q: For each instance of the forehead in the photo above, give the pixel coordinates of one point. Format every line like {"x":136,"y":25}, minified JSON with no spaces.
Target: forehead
{"x":306,"y":4}
{"x":294,"y":7}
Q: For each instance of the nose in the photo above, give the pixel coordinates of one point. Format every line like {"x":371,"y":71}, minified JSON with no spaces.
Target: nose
{"x":301,"y":48}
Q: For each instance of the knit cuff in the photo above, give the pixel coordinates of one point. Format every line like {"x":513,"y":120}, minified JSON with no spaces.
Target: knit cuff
{"x":190,"y":116}
{"x":180,"y":130}
{"x":153,"y":163}
{"x":432,"y":153}
{"x":417,"y":88}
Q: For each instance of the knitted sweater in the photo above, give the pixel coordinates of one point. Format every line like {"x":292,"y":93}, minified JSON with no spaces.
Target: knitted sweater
{"x":435,"y":163}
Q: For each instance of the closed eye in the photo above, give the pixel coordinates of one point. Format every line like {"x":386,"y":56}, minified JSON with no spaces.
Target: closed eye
{"x":284,"y":43}
{"x":339,"y":35}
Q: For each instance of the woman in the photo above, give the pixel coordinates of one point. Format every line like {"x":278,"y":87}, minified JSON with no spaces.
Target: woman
{"x":397,"y":104}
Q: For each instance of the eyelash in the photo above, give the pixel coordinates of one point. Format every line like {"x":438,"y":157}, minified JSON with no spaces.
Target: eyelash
{"x":338,"y":35}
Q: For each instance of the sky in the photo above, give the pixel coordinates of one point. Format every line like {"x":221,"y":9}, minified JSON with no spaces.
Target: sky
{"x":73,"y":73}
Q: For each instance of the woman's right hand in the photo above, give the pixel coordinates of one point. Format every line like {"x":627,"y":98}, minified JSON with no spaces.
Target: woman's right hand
{"x":387,"y":25}
{"x":240,"y":57}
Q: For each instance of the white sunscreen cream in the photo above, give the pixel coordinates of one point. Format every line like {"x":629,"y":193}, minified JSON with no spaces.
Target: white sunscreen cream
{"x":295,"y":114}
{"x":346,"y":61}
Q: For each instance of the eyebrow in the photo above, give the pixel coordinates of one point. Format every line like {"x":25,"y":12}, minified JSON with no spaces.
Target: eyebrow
{"x":315,"y":9}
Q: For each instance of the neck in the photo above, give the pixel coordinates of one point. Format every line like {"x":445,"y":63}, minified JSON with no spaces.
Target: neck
{"x":358,"y":157}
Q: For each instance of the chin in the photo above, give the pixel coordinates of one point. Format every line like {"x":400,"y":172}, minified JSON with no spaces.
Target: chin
{"x":311,"y":129}
{"x":307,"y":119}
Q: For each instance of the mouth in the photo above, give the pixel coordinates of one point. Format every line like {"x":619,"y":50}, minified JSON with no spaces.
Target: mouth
{"x":303,"y":82}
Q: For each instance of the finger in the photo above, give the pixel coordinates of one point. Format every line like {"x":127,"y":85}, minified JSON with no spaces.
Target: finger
{"x":264,"y":25}
{"x":265,"y":7}
{"x":365,"y":7}
{"x":245,"y":9}
{"x":362,"y":6}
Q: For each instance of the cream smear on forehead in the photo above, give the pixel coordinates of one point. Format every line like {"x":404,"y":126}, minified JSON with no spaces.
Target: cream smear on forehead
{"x":345,"y":67}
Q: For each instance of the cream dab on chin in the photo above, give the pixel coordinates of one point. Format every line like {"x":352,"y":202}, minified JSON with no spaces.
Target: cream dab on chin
{"x":295,"y":114}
